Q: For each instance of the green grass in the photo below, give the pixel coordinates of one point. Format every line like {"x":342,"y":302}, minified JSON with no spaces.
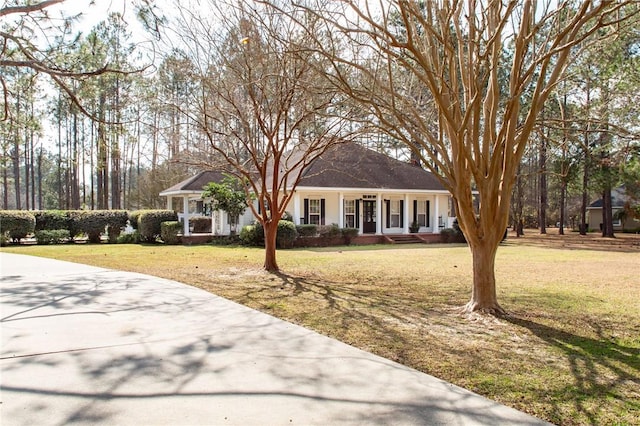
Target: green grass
{"x":569,"y":352}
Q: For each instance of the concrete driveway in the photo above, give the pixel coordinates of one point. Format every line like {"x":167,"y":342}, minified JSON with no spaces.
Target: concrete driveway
{"x":87,"y":345}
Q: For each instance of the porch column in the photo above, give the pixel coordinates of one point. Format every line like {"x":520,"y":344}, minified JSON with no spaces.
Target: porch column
{"x":341,"y":210}
{"x":379,"y":214}
{"x":169,"y":202}
{"x":405,"y":219}
{"x":296,"y":208}
{"x":223,"y":222}
{"x":436,"y":211}
{"x":185,"y":209}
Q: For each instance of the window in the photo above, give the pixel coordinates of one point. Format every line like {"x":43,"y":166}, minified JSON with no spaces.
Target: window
{"x":314,"y":212}
{"x":233,"y":220}
{"x":394,"y":214}
{"x":350,"y":213}
{"x":421,"y":212}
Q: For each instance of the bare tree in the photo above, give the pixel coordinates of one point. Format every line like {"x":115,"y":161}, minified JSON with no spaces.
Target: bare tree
{"x":456,"y":50}
{"x":264,"y":105}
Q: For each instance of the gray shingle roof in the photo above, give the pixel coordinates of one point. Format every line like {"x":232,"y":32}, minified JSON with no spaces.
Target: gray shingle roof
{"x":197,"y":182}
{"x":618,"y":198}
{"x":351,"y":165}
{"x":347,"y":165}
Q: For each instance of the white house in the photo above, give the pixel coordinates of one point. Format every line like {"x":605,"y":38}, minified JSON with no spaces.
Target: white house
{"x":349,"y":185}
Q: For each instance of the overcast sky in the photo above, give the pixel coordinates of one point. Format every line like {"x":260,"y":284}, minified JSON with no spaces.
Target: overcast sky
{"x":94,"y":11}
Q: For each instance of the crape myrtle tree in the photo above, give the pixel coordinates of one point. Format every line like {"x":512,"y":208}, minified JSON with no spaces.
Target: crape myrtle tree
{"x":457,"y":51}
{"x":264,"y":104}
{"x":228,"y":196}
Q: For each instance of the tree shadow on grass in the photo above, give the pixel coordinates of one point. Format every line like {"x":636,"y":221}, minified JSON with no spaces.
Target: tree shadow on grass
{"x":601,"y":368}
{"x":623,"y":243}
{"x":376,"y":318}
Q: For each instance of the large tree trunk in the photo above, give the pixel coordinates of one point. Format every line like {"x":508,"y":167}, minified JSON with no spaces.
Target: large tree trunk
{"x":607,"y":217}
{"x":585,"y":199}
{"x":270,"y":234}
{"x":542,"y":213}
{"x":519,"y":204}
{"x":15,"y":156}
{"x":483,"y":295}
{"x":563,"y":201}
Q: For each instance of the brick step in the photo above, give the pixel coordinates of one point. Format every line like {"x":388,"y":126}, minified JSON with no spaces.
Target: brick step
{"x":403,"y":239}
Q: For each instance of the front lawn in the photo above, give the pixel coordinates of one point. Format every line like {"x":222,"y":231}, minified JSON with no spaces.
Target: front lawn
{"x":569,"y":352}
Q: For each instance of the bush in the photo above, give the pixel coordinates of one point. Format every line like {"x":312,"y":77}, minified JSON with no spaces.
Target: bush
{"x":132,"y":238}
{"x":133,"y":218}
{"x":117,"y":221}
{"x":149,"y":223}
{"x":93,"y":223}
{"x":74,"y":222}
{"x":17,"y":224}
{"x":51,"y":219}
{"x":225,"y":240}
{"x":451,"y":235}
{"x":307,"y":230}
{"x":329,"y":231}
{"x":201,"y":224}
{"x":287,"y":216}
{"x":458,"y":235}
{"x":252,"y":235}
{"x":169,"y":232}
{"x":286,"y":234}
{"x":52,"y":236}
{"x":447,"y":235}
{"x":349,"y":234}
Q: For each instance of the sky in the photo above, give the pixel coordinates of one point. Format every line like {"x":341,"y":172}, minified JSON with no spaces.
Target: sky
{"x":93,"y":12}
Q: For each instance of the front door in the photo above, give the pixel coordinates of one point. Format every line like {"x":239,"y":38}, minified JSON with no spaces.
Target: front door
{"x":368,"y":217}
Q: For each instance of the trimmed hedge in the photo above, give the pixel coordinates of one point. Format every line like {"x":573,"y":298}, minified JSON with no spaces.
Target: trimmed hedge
{"x":17,"y":224}
{"x":92,"y":223}
{"x":329,"y":231}
{"x":52,"y":236}
{"x":286,"y":234}
{"x":117,"y":221}
{"x":349,"y":234}
{"x":150,"y":223}
{"x":73,"y":223}
{"x":133,"y":218}
{"x":201,"y":224}
{"x":169,"y":232}
{"x":252,"y":235}
{"x":132,"y":238}
{"x":451,"y":235}
{"x":49,"y":220}
{"x":307,"y":230}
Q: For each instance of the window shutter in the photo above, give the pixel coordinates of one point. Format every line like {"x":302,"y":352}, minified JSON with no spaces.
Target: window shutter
{"x":357,"y":214}
{"x":415,"y":211}
{"x":305,"y":219}
{"x":428,"y":213}
{"x":387,"y":204}
{"x":322,"y":211}
{"x":401,"y":213}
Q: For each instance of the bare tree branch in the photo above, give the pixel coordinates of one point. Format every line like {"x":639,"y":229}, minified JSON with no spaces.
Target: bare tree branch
{"x":28,"y":8}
